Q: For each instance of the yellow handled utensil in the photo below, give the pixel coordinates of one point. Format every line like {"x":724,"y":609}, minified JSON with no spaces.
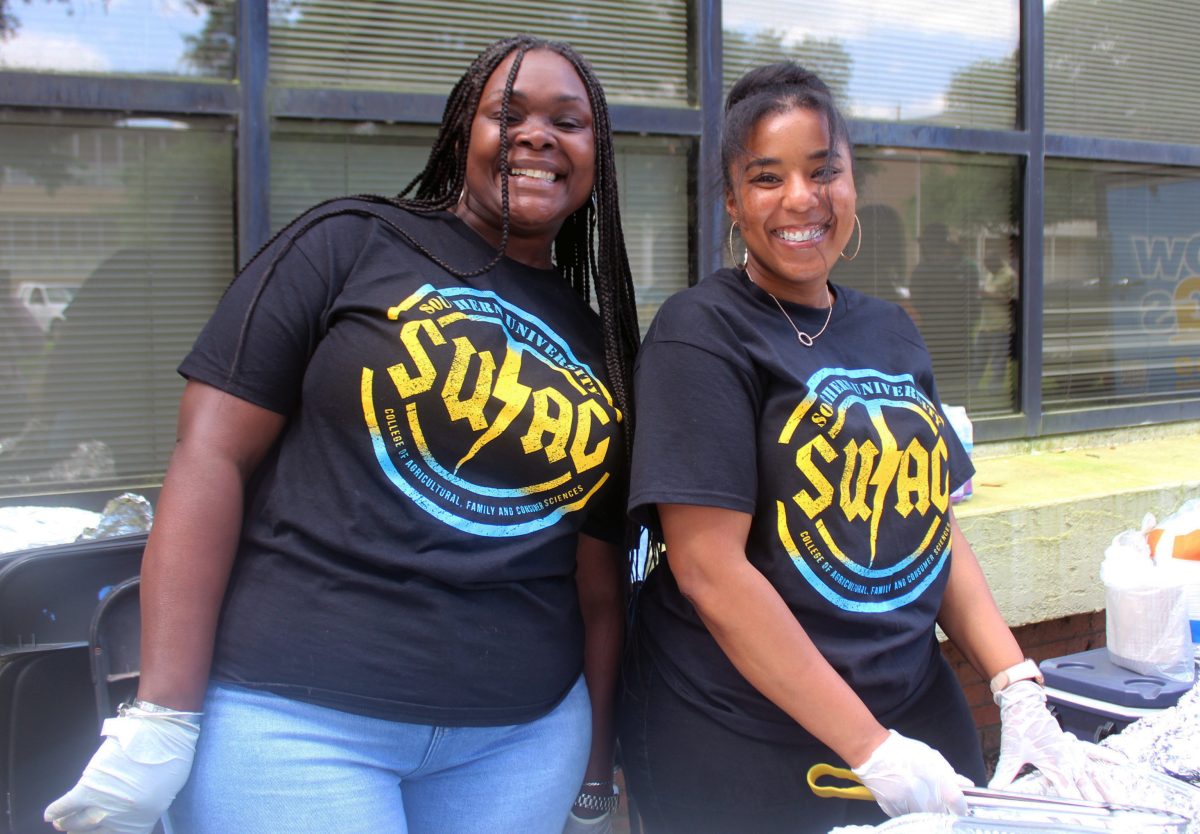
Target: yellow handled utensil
{"x":817,"y":771}
{"x":1033,"y":808}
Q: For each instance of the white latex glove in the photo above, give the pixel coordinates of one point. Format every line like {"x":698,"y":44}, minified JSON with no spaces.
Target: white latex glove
{"x":132,"y":779}
{"x":602,"y":824}
{"x":907,"y":776}
{"x":1029,"y":734}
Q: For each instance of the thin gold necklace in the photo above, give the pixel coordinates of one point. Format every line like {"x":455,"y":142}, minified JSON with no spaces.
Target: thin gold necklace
{"x":804,"y":338}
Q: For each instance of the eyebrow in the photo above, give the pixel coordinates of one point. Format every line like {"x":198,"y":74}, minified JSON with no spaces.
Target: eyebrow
{"x":765,"y":161}
{"x":563,"y":97}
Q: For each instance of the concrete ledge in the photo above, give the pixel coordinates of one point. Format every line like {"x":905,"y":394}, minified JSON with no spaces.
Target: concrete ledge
{"x":1042,"y":515}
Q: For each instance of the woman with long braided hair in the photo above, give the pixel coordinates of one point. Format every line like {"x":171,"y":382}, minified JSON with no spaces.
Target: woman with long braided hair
{"x":385,"y":579}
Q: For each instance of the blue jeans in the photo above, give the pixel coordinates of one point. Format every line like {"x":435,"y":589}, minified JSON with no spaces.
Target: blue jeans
{"x":269,"y":764}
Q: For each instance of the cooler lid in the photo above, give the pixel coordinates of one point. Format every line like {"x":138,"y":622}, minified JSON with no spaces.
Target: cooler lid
{"x":1091,"y":673}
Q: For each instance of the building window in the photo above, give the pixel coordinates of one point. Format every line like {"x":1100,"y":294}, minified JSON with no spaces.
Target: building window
{"x":132,"y":221}
{"x":1125,"y":69}
{"x":132,"y":37}
{"x":905,"y":61}
{"x":1122,"y":285}
{"x":639,"y":49}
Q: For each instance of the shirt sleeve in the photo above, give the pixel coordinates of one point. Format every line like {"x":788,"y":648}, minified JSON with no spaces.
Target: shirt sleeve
{"x":695,"y":440}
{"x":258,"y":342}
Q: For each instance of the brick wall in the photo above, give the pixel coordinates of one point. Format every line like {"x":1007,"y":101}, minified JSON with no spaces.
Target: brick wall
{"x":1041,"y":641}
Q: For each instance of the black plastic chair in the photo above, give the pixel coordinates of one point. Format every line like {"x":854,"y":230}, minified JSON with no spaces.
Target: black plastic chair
{"x":48,"y":594}
{"x":116,"y":647}
{"x":47,"y":732}
{"x":47,"y":703}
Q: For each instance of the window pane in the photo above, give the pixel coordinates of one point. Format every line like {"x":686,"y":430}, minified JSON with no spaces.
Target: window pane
{"x":1127,"y":69}
{"x":313,"y":162}
{"x":639,"y":50}
{"x":905,"y":61}
{"x":142,"y":37}
{"x":939,"y":237}
{"x":1122,"y":295}
{"x":133,"y":219}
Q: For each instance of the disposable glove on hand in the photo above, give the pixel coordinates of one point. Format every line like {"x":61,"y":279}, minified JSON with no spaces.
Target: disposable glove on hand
{"x":602,"y":824}
{"x":132,"y":779}
{"x":1029,"y":734}
{"x":907,"y":776}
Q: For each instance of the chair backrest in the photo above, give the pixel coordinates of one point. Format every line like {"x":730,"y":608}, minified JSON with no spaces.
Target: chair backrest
{"x":47,"y":732}
{"x":116,"y":647}
{"x":48,"y":594}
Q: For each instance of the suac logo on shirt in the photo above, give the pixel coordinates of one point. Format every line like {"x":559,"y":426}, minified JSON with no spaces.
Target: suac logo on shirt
{"x":861,"y":492}
{"x":486,"y":419}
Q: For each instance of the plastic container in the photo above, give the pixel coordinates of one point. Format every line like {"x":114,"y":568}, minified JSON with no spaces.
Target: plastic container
{"x":1190,"y":571}
{"x":957,"y":415}
{"x":1093,"y":698}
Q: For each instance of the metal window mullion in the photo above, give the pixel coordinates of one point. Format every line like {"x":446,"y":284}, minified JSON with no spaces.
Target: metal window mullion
{"x":1033,"y":120}
{"x":710,"y":212}
{"x":103,"y":93}
{"x":253,"y":130}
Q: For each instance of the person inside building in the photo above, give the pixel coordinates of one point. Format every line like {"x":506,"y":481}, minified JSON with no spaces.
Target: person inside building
{"x":792,"y":455}
{"x":385,"y":574}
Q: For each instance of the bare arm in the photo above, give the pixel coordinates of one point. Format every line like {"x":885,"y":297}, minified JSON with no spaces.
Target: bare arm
{"x":598,"y":578}
{"x":969,"y":614}
{"x":707,"y":551}
{"x":221,"y":439}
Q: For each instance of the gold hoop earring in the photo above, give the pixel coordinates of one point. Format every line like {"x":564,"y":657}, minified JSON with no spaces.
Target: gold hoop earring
{"x":858,"y":224}
{"x":732,"y":257}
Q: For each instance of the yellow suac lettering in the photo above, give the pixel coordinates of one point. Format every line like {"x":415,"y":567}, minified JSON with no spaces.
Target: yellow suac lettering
{"x":406,"y":384}
{"x":580,"y":456}
{"x":854,"y":489}
{"x":912,"y":480}
{"x":939,"y":475}
{"x":510,"y":391}
{"x":558,"y":426}
{"x":811,"y":505}
{"x":470,"y":408}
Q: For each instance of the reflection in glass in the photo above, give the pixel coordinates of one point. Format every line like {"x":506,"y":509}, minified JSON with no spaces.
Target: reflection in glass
{"x":1122,"y":285}
{"x":939,"y":237}
{"x":639,"y":50}
{"x":132,"y":37}
{"x":311,"y":162}
{"x":134,"y":224}
{"x":1126,"y":69}
{"x":906,"y":61}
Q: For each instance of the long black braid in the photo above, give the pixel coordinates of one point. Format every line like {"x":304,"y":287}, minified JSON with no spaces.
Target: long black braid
{"x":589,"y":248}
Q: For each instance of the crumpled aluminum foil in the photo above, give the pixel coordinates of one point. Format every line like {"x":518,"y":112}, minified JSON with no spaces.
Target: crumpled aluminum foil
{"x":126,"y":514}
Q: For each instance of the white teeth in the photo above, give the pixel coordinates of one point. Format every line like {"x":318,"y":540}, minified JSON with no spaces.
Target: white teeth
{"x":533,"y":172}
{"x":801,"y":236}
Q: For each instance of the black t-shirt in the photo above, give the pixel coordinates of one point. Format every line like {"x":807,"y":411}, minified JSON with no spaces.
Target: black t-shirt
{"x":408,"y":550}
{"x":843,"y":457}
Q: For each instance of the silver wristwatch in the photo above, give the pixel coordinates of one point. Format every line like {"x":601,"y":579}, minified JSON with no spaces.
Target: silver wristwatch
{"x":591,"y":802}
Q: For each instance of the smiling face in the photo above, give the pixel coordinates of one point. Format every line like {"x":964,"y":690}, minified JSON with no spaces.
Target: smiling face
{"x":793,"y":199}
{"x":551,"y":155}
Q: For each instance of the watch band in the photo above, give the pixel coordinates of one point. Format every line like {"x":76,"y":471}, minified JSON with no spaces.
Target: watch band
{"x":591,"y":802}
{"x":1026,"y":670}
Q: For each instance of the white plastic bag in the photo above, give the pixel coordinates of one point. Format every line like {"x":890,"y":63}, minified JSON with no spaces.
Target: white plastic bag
{"x":1147,"y":618}
{"x":1177,"y":538}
